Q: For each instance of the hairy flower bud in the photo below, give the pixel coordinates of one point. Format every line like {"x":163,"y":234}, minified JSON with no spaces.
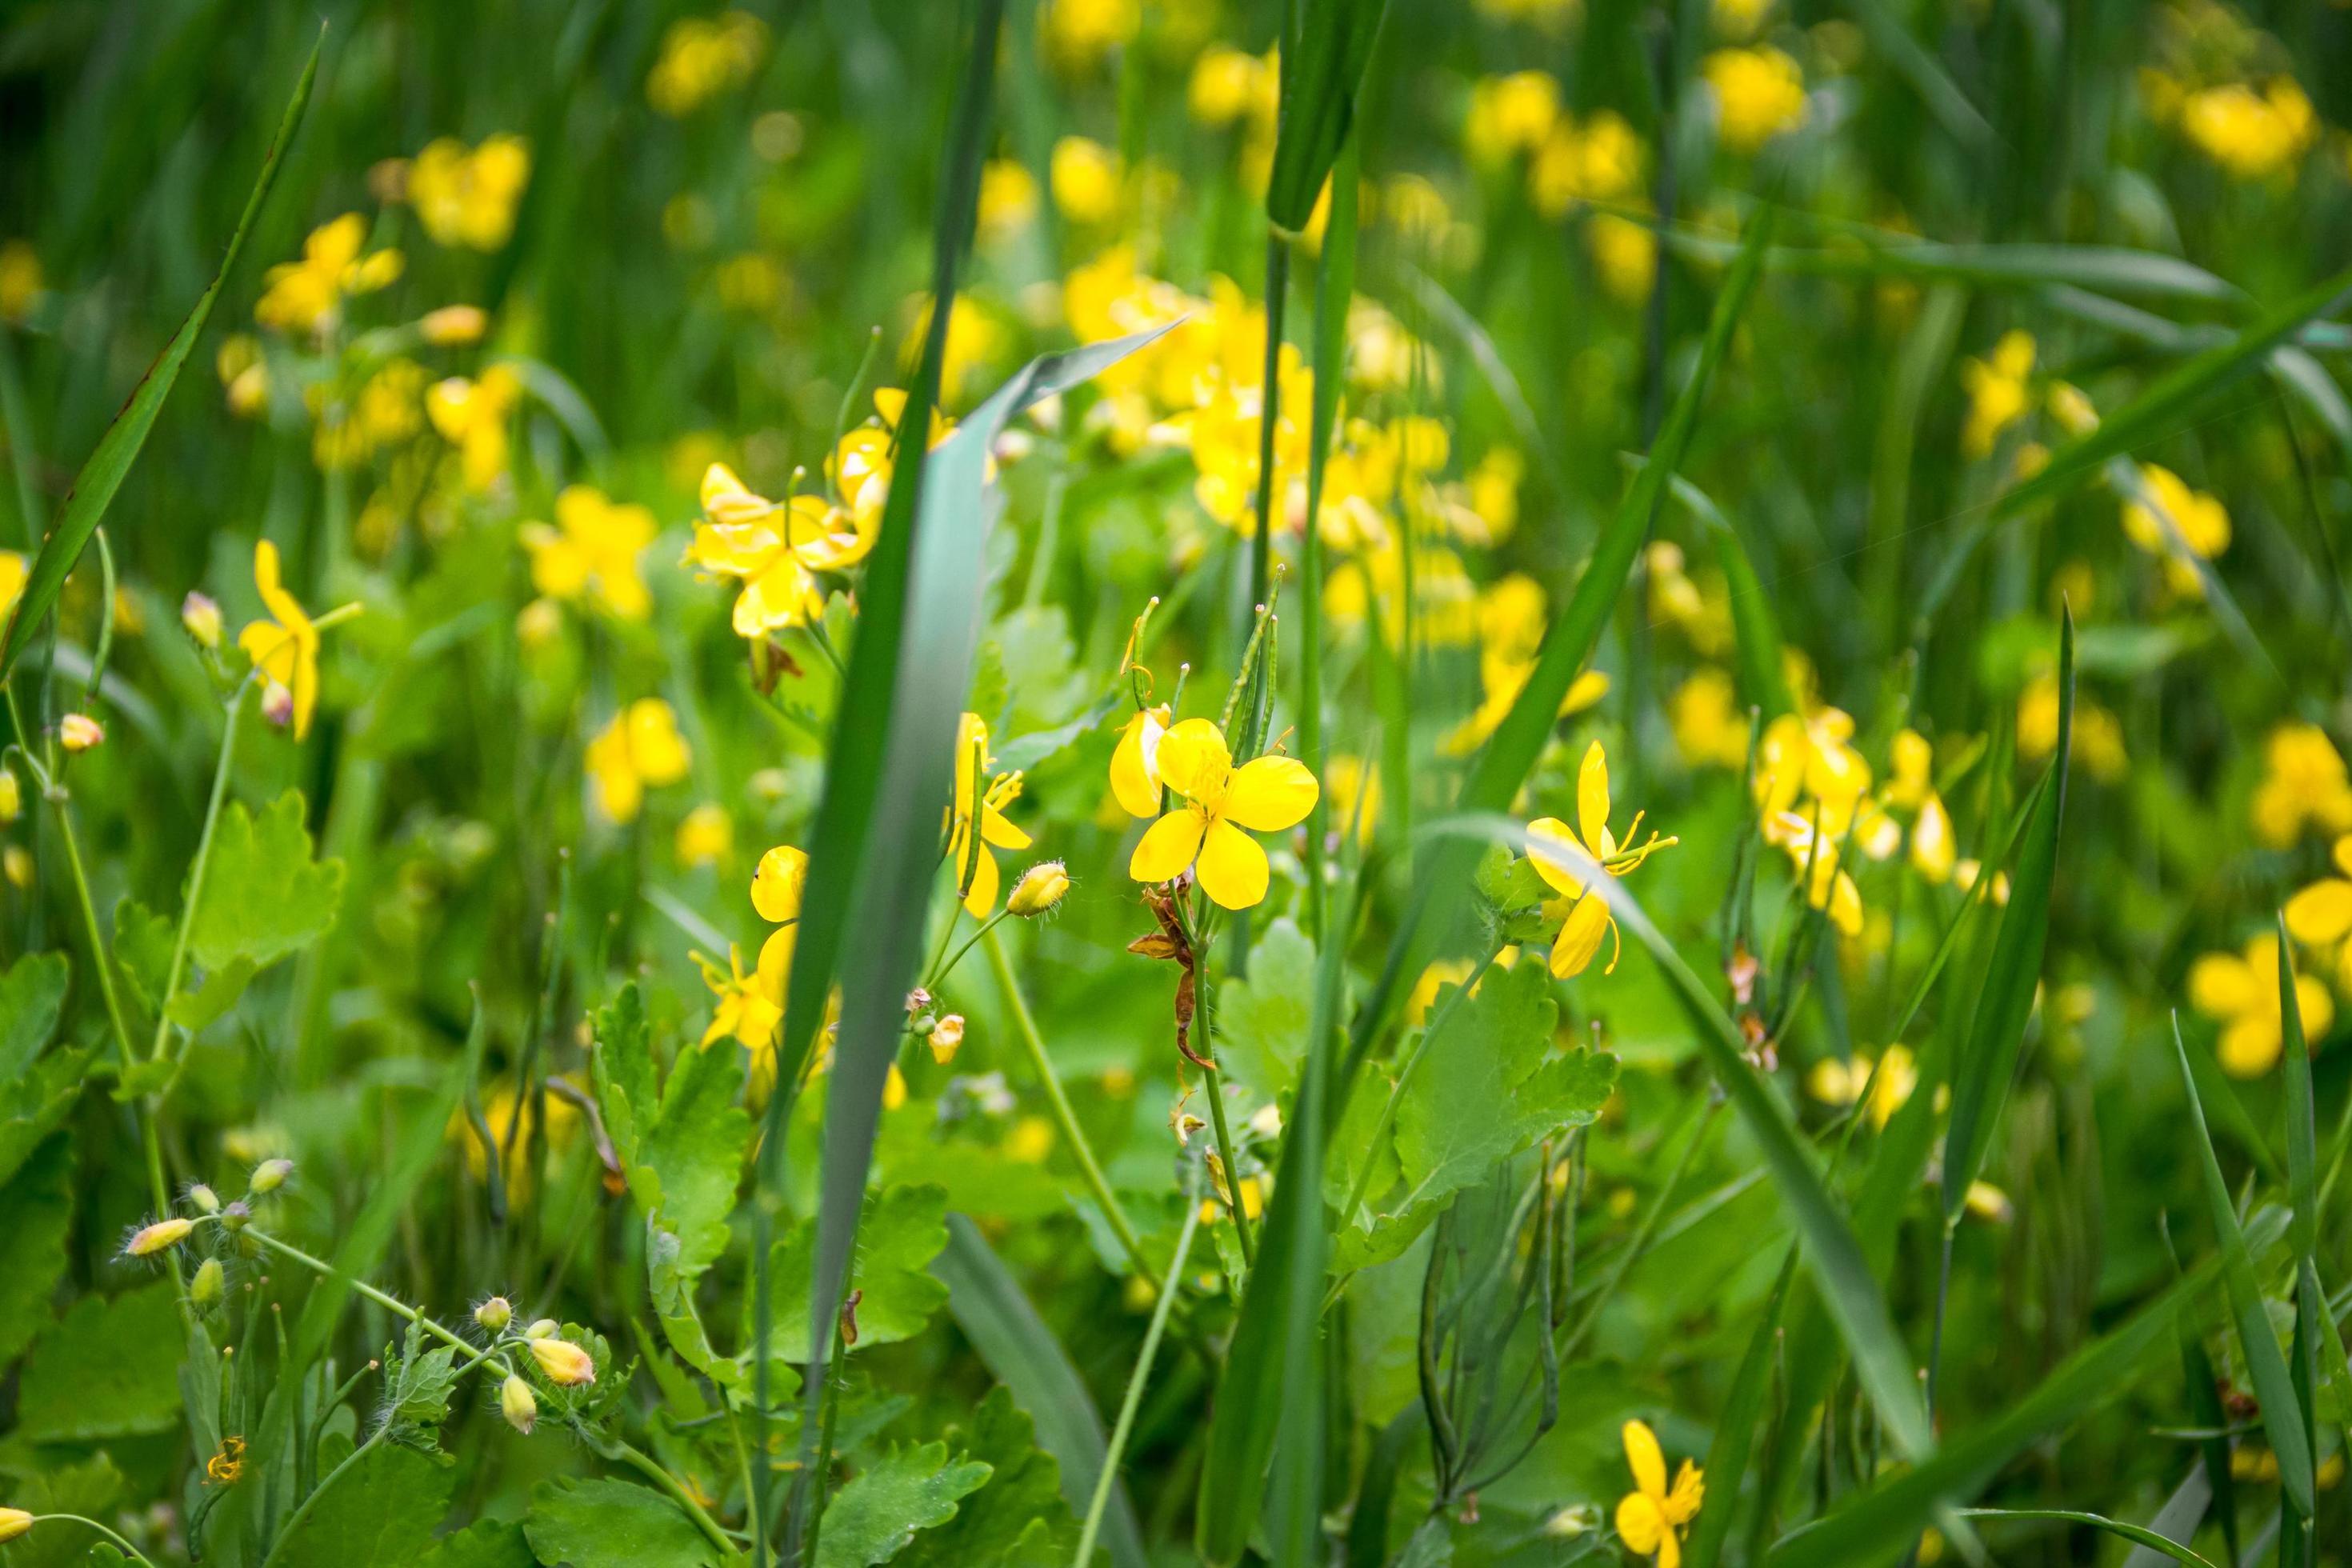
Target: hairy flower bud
{"x":79,"y":732}
{"x":14,"y":1522}
{"x":544,"y":1328}
{"x":202,"y":617}
{"x":566,"y":1364}
{"x":1040,"y":889}
{"x":208,"y":1285}
{"x":236,"y":1216}
{"x":946,"y":1035}
{"x":12,"y":796}
{"x":494,"y":1314}
{"x":268,"y":1176}
{"x":154,"y":1238}
{"x":517,"y":1404}
{"x":205,"y":1198}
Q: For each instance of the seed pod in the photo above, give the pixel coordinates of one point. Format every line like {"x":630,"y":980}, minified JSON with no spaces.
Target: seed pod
{"x":156,"y":1238}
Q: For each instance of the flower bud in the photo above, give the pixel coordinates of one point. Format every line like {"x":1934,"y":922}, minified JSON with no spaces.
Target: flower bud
{"x":1040,"y":889}
{"x":16,"y":864}
{"x":202,"y":618}
{"x":517,"y":1404}
{"x":14,"y":1522}
{"x":566,"y":1364}
{"x":946,"y":1035}
{"x":236,"y":1216}
{"x":451,"y":327}
{"x":154,"y":1238}
{"x":204,"y":1198}
{"x":542,"y":1328}
{"x":12,"y":796}
{"x":268,"y":1176}
{"x":494,"y":1314}
{"x":276,"y":704}
{"x":208,"y":1285}
{"x":80,"y":732}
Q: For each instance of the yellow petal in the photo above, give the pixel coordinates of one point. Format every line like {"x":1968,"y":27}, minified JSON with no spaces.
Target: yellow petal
{"x":1592,"y":799}
{"x":1553,"y":867}
{"x":1933,"y":848}
{"x":778,"y":884}
{"x":281,"y":602}
{"x":2223,"y":986}
{"x":2316,"y":1007}
{"x":782,"y":594}
{"x":1689,"y":1491}
{"x":2251,"y":1046}
{"x":1193,"y":758}
{"x":2321,"y":912}
{"x":655,"y":750}
{"x":1168,"y":847}
{"x":305,"y":684}
{"x":1233,"y":869}
{"x":1134,"y":767}
{"x":1270,"y":795}
{"x":271,"y":648}
{"x":1640,"y":1524}
{"x":1646,"y":1460}
{"x":979,"y":899}
{"x":775,"y":963}
{"x":995,"y":829}
{"x":1571,"y":952}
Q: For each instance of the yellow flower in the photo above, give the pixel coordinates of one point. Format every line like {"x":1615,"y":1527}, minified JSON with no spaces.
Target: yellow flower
{"x":453,"y":326}
{"x":2243,"y":995}
{"x":1934,"y":850}
{"x":1134,"y":766}
{"x":2098,"y":743}
{"x":1008,"y":202}
{"x":2201,"y":520}
{"x":79,"y":732}
{"x":1503,"y":679}
{"x":1812,"y":755}
{"x":1227,"y":84}
{"x":1588,"y":918}
{"x":468,"y":198}
{"x":285,"y":648}
{"x":639,"y":749}
{"x":779,"y":882}
{"x":566,"y":1364}
{"x":1998,"y":398}
{"x":980,"y":798}
{"x":1835,"y":1082}
{"x":591,"y":550}
{"x":1758,"y":94}
{"x":1079,"y":33}
{"x":1597,"y":160}
{"x":471,"y":415}
{"x":2304,"y":786}
{"x":501,"y":1109}
{"x":1709,"y":725}
{"x":1084,"y":178}
{"x":2252,"y":136}
{"x":304,"y":296}
{"x":705,"y":834}
{"x":702,"y":56}
{"x":14,"y":1522}
{"x":20,"y":280}
{"x":244,"y":378}
{"x":1205,"y":834}
{"x":1510,"y":115}
{"x":1625,"y":255}
{"x":1650,"y":1516}
{"x":775,"y":548}
{"x":12,"y":573}
{"x":1831,"y":889}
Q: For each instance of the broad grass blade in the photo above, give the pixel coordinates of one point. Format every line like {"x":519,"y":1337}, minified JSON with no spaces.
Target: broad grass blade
{"x":1981,"y":1077}
{"x":1756,"y":630}
{"x":1335,"y":291}
{"x":2138,"y":1534}
{"x":1325,"y":49}
{"x":2302,"y":1134}
{"x":2266,"y":1365}
{"x":94,"y":488}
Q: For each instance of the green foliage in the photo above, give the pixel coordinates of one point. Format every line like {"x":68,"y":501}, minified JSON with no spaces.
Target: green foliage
{"x":32,"y":994}
{"x":878,"y":1513}
{"x":264,"y":896}
{"x":380,"y":1510}
{"x":1261,"y":1020}
{"x":902,"y":1230}
{"x":1017,"y":1518}
{"x":109,"y":1368}
{"x":579,"y":1523}
{"x":39,"y":1202}
{"x":91,"y":1489}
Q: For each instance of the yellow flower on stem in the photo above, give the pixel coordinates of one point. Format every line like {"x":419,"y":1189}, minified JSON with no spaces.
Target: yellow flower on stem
{"x":776,"y":548}
{"x":304,"y":296}
{"x":981,"y":798}
{"x":468,"y":197}
{"x":1134,"y":765}
{"x":1205,"y":833}
{"x":591,"y":550}
{"x":2321,"y":914}
{"x":284,"y":648}
{"x":1998,"y":398}
{"x":1650,"y":1516}
{"x":641,"y":748}
{"x":471,"y":415}
{"x":1588,"y":918}
{"x":2243,"y":995}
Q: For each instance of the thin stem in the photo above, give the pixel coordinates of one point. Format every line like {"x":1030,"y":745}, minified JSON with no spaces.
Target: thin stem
{"x":303,"y":1511}
{"x":646,"y":1466}
{"x":1124,"y":1427}
{"x":1216,"y":1086}
{"x":77,"y":1519}
{"x":196,"y":870}
{"x":99,"y":959}
{"x":416,"y":1315}
{"x":1025,"y":1026}
{"x":1936,"y":1337}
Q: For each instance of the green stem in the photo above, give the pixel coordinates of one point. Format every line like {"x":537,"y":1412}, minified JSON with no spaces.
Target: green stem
{"x":645,"y":1465}
{"x":1025,"y":1026}
{"x":389,"y":1303}
{"x":77,"y":1519}
{"x":302,"y":1510}
{"x":99,"y":959}
{"x":1125,"y":1426}
{"x":1216,"y":1086}
{"x":196,"y":871}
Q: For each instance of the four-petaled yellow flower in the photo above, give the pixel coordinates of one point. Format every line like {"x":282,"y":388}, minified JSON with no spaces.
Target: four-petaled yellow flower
{"x":2321,"y":914}
{"x":641,"y":748}
{"x":304,"y":296}
{"x":1204,"y":832}
{"x":465,"y":198}
{"x":749,"y":1006}
{"x":980,"y":798}
{"x":1998,"y":398}
{"x":1588,"y":918}
{"x":591,"y":548}
{"x":285,"y":648}
{"x":2243,"y":994}
{"x":776,"y":548}
{"x":1650,"y":1516}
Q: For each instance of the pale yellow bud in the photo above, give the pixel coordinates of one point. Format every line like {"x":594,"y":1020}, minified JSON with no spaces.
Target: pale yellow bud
{"x":208,"y":1285}
{"x":268,"y":1176}
{"x":12,"y":796}
{"x":14,"y":1522}
{"x":1040,"y":889}
{"x":945,"y":1036}
{"x":17,"y":862}
{"x":205,"y":1198}
{"x":79,"y":732}
{"x":516,"y":1404}
{"x":455,"y":326}
{"x":566,"y":1364}
{"x":494,"y":1314}
{"x":202,"y":618}
{"x":544,"y":1328}
{"x":154,"y":1238}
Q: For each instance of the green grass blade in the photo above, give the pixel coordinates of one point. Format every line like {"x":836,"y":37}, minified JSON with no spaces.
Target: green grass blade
{"x":1756,"y":630}
{"x":94,"y":488}
{"x":1888,"y":1519}
{"x":2138,"y":1534}
{"x":1847,"y":1286}
{"x":1735,"y":1430}
{"x":1917,"y":65}
{"x":2205,"y":1410}
{"x":2266,"y":1365}
{"x":2302,"y":1132}
{"x":1981,"y":1075}
{"x":1018,"y":1346}
{"x":1335,"y":291}
{"x":1883,"y":253}
{"x":1272,"y":1383}
{"x":1333,"y":42}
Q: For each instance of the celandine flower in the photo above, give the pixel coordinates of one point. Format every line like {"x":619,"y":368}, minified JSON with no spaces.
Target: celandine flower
{"x":1588,"y":918}
{"x":285,"y":648}
{"x":1650,"y":1516}
{"x":1205,"y":834}
{"x":980,"y":798}
{"x":640,"y":748}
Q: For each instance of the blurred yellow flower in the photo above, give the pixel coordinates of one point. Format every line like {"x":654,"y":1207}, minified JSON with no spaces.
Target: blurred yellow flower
{"x":1651,"y":1518}
{"x":468,"y":197}
{"x":590,"y":551}
{"x":471,"y":415}
{"x":2199,"y":520}
{"x":1008,"y":201}
{"x":1599,"y":159}
{"x":1509,"y":115}
{"x":305,"y":296}
{"x":2304,"y":786}
{"x":705,"y":836}
{"x":453,"y":326}
{"x":1085,"y":177}
{"x":2098,"y":736}
{"x":981,"y":798}
{"x":1625,"y":255}
{"x":285,"y":647}
{"x":702,"y":56}
{"x":1228,"y":84}
{"x":1835,"y":1082}
{"x":243,"y":376}
{"x":2241,"y":994}
{"x":1759,"y":94}
{"x":1998,"y":398}
{"x":1709,"y":725}
{"x":1078,"y":33}
{"x":640,"y":748}
{"x":20,"y":280}
{"x":1588,"y":919}
{"x":2251,"y":135}
{"x":1353,"y":784}
{"x":1204,"y":832}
